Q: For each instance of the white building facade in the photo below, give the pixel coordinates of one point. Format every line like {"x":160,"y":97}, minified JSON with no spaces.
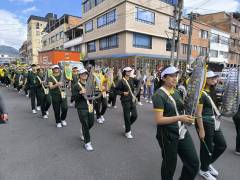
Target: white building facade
{"x":219,"y":46}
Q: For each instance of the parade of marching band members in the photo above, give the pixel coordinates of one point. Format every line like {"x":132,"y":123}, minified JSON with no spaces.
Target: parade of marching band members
{"x":119,"y":90}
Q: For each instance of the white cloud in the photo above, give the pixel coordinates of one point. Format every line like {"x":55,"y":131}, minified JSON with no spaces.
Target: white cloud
{"x":211,"y":6}
{"x":24,"y":1}
{"x":12,"y":31}
{"x":29,"y":10}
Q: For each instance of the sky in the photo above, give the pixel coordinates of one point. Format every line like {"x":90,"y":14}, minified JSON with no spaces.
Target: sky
{"x":14,"y":14}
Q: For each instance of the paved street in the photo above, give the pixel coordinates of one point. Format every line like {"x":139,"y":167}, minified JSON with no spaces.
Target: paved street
{"x":34,"y":149}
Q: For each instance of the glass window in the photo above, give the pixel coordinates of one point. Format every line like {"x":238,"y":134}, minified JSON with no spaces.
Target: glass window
{"x":215,"y":38}
{"x":98,"y":2}
{"x":57,"y":37}
{"x":89,"y":26}
{"x":214,"y":53}
{"x":186,"y":28}
{"x":169,"y":45}
{"x":234,"y":29}
{"x":106,"y":19}
{"x":203,"y":51}
{"x":224,"y":40}
{"x":142,"y":41}
{"x":61,"y":35}
{"x":91,"y":47}
{"x":108,"y":42}
{"x":172,"y":2}
{"x":145,"y":16}
{"x":37,"y":25}
{"x":172,"y":23}
{"x":184,"y":48}
{"x":87,"y":6}
{"x":203,"y":34}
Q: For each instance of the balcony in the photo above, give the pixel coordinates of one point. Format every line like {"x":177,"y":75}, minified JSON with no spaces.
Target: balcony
{"x":73,"y":42}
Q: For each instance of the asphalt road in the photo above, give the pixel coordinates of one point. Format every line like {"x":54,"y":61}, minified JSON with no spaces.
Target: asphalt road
{"x":34,"y":149}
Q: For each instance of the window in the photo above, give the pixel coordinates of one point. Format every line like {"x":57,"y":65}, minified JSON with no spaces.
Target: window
{"x":61,"y":35}
{"x":89,"y":26}
{"x":87,"y":6}
{"x":91,"y":47}
{"x":186,"y":28}
{"x":234,"y":29}
{"x":57,"y":37}
{"x":98,"y":2}
{"x":184,"y":48}
{"x":215,"y":38}
{"x":37,"y":25}
{"x":224,"y":54}
{"x":203,"y":51}
{"x":172,"y":2}
{"x":49,"y":41}
{"x":106,"y":19}
{"x":108,"y":42}
{"x":214,"y":53}
{"x":169,"y":45}
{"x":172,"y":23}
{"x":145,"y":16}
{"x":142,"y":41}
{"x":45,"y":43}
{"x":203,"y":34}
{"x":53,"y":39}
{"x":224,"y":40}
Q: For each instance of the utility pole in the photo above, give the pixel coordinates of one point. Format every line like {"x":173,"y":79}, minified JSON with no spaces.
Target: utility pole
{"x":189,"y":50}
{"x":180,"y":6}
{"x":173,"y":37}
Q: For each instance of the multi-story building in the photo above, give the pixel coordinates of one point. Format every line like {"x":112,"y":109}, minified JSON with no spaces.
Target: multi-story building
{"x":54,"y":32}
{"x":23,"y":52}
{"x":123,"y":32}
{"x":219,"y":46}
{"x":74,"y":38}
{"x":199,"y":42}
{"x":36,"y":25}
{"x":228,"y":22}
{"x":6,"y":59}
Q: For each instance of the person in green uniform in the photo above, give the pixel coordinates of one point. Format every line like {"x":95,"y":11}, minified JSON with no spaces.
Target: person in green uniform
{"x":172,"y":135}
{"x":19,"y":79}
{"x":73,"y":82}
{"x":25,"y":82}
{"x":236,"y":120}
{"x":84,"y":108}
{"x":125,"y":88}
{"x":32,"y":82}
{"x":213,"y":143}
{"x":59,"y":98}
{"x":157,"y":82}
{"x":43,"y":93}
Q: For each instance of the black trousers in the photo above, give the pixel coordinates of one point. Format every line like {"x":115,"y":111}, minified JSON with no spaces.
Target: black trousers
{"x":19,"y":87}
{"x":87,"y":121}
{"x":34,"y":95}
{"x":129,"y":113}
{"x":216,"y":144}
{"x":112,"y":97}
{"x":60,"y":108}
{"x":171,"y":147}
{"x":45,"y":101}
{"x":100,"y":106}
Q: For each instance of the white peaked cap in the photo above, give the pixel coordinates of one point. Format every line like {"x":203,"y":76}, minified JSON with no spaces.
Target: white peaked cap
{"x":169,"y":70}
{"x":211,"y":74}
{"x":55,"y":66}
{"x":127,"y":69}
{"x":81,"y":71}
